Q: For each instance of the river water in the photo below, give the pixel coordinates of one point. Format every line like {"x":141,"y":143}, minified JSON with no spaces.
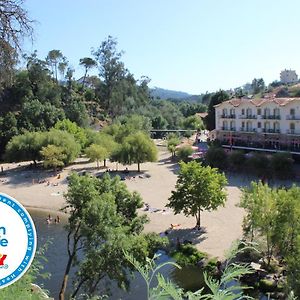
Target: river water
{"x":56,"y":255}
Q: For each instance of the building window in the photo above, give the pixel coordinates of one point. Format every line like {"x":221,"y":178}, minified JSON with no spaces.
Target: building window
{"x":258,"y":124}
{"x":276,"y":112}
{"x":259,"y":111}
{"x":292,"y":126}
{"x":267,"y":112}
{"x":243,"y":111}
{"x":232,"y":125}
{"x":292,"y":112}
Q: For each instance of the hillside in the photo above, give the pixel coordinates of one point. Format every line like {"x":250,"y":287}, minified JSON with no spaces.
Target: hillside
{"x":168,"y":94}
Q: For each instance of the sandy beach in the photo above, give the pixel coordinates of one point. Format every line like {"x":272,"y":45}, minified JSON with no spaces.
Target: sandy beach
{"x":220,"y":228}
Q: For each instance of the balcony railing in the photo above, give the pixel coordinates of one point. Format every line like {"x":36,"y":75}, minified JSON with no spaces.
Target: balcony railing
{"x":245,"y":129}
{"x":293,"y":131}
{"x":292,"y":117}
{"x":247,"y":117}
{"x":271,"y":117}
{"x":232,"y":116}
{"x":228,"y":129}
{"x":265,"y":130}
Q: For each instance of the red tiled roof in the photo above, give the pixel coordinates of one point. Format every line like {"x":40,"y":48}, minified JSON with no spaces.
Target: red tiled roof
{"x":258,"y":102}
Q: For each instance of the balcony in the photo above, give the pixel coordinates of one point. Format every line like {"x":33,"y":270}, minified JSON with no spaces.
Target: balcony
{"x":292,"y":117}
{"x":228,"y":116}
{"x":228,"y":129}
{"x":265,"y":130}
{"x":271,"y":117}
{"x":247,"y":117}
{"x":244,"y":129}
{"x":293,"y":131}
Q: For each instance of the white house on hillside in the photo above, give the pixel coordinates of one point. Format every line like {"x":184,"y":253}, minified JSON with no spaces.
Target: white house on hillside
{"x":259,"y":123}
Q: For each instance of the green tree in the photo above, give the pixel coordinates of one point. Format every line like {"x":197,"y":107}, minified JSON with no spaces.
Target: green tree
{"x":88,"y":63}
{"x":15,"y":25}
{"x":53,"y":156}
{"x":193,"y":123}
{"x":217,"y":98}
{"x":136,"y":148}
{"x":96,"y":153}
{"x":74,"y":129}
{"x":100,"y":226}
{"x":66,"y":142}
{"x":103,"y":140}
{"x":25,"y":147}
{"x":111,"y":68}
{"x":258,"y":85}
{"x":172,"y":143}
{"x":54,"y":58}
{"x":198,"y":188}
{"x":36,"y":116}
{"x":8,"y":129}
{"x":260,"y":203}
{"x":76,"y":111}
{"x":287,"y":221}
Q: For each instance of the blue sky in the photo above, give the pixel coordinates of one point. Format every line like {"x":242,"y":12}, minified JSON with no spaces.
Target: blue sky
{"x":189,"y":45}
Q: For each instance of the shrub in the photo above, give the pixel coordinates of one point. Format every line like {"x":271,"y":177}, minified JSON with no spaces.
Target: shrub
{"x":188,"y":255}
{"x":282,"y":164}
{"x":216,"y":157}
{"x":259,"y":164}
{"x":184,"y":152}
{"x":211,"y":265}
{"x":236,"y":159}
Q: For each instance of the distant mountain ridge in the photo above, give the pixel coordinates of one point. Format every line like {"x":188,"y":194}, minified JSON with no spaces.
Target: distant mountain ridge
{"x":157,"y":92}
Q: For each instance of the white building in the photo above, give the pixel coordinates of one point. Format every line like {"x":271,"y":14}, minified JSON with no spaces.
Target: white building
{"x":288,"y":76}
{"x":259,"y":123}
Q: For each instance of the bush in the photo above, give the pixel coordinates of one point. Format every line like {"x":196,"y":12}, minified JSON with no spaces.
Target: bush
{"x":184,"y":152}
{"x":211,"y":265}
{"x":236,"y":159}
{"x":266,"y":285}
{"x":259,"y":164}
{"x":282,"y":164}
{"x":188,"y":255}
{"x":216,"y":157}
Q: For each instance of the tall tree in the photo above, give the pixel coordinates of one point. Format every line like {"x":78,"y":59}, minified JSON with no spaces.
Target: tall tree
{"x":198,"y":188}
{"x":54,"y":58}
{"x":102,"y":222}
{"x":88,"y":63}
{"x":111,"y":68}
{"x":15,"y":24}
{"x":258,"y":85}
{"x":217,"y":98}
{"x":260,"y":203}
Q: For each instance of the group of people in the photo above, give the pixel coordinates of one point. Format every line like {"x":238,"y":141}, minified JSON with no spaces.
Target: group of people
{"x":49,"y":220}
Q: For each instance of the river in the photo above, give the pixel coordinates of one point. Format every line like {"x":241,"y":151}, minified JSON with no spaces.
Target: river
{"x":56,"y":255}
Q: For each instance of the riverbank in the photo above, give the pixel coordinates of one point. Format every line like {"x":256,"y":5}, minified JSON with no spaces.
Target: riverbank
{"x":220,"y":228}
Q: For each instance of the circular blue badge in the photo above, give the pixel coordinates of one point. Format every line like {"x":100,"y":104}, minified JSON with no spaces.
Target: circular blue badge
{"x":18,"y":240}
